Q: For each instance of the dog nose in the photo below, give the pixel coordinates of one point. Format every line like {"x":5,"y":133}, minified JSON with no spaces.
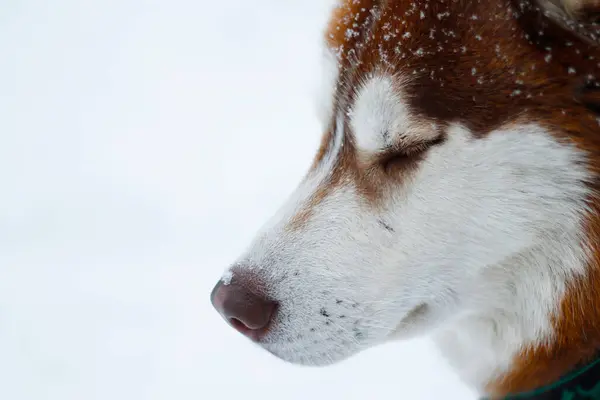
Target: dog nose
{"x":245,"y":310}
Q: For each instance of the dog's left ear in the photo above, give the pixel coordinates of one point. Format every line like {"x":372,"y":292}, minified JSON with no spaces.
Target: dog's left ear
{"x":577,"y":18}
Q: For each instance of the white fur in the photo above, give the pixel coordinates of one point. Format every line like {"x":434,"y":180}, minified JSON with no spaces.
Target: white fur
{"x":378,"y":115}
{"x":382,"y":120}
{"x":475,"y":248}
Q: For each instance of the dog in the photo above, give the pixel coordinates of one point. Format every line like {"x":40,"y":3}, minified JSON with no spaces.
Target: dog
{"x":454,"y":195}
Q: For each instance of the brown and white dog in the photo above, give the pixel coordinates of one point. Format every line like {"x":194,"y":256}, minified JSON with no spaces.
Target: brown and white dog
{"x":454,"y":195}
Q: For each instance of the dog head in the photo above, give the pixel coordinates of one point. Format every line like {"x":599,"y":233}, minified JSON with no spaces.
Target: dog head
{"x":444,"y":155}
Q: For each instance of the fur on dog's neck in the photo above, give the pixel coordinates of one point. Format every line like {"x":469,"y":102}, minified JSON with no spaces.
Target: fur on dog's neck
{"x":576,"y":328}
{"x":507,"y":348}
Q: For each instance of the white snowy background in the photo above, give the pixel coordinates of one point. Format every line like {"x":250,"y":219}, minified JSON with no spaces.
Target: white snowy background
{"x":142,"y":143}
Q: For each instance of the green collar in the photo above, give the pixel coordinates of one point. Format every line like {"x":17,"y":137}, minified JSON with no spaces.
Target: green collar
{"x":582,"y":384}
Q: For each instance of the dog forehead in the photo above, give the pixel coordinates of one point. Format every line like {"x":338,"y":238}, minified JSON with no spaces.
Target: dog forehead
{"x":480,"y":63}
{"x":441,"y":50}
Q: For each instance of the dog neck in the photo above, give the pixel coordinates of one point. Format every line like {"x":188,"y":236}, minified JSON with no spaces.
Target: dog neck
{"x":532,"y":321}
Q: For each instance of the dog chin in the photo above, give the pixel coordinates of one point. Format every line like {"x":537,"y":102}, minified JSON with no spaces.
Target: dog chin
{"x":310,"y":360}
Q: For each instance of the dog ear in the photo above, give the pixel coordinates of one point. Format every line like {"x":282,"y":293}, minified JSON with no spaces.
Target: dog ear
{"x":577,"y":16}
